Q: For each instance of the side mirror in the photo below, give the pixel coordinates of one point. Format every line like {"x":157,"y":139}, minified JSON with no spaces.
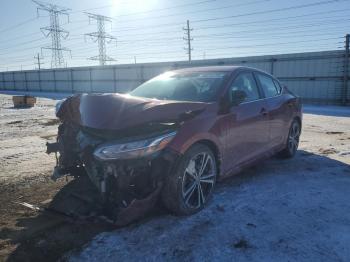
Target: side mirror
{"x":237,"y":97}
{"x":233,"y":99}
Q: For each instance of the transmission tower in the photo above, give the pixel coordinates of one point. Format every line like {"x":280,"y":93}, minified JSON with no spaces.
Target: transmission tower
{"x":101,"y":37}
{"x":188,"y":39}
{"x":54,"y":31}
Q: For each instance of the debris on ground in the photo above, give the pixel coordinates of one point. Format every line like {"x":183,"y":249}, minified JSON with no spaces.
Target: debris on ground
{"x":23,"y":101}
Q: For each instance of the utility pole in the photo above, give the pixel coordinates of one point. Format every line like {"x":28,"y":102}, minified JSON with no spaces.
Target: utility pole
{"x":188,"y":39}
{"x":100,"y":37}
{"x":346,"y":69}
{"x":38,"y":58}
{"x":54,"y":31}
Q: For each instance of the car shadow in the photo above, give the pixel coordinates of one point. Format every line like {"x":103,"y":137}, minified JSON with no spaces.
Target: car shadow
{"x":48,"y":236}
{"x":303,"y":162}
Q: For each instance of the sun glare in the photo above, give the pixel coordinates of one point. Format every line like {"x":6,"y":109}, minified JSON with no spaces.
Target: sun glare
{"x":121,"y":7}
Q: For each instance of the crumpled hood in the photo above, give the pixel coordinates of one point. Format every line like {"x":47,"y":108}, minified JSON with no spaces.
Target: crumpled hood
{"x":118,"y":111}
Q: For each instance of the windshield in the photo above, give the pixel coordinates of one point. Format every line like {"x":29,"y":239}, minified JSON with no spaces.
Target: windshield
{"x":193,"y":86}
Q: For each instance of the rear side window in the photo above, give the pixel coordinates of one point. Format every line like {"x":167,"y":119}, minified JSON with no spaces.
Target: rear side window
{"x":278,"y":86}
{"x":267,"y":85}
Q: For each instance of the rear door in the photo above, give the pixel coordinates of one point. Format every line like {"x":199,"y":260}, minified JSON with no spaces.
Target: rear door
{"x":247,"y":126}
{"x":275,"y":104}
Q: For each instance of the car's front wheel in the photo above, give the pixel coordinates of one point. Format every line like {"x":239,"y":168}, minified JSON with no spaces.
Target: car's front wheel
{"x":190,"y":187}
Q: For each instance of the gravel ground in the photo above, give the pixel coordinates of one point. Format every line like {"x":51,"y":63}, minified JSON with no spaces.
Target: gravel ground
{"x":296,"y":210}
{"x":23,"y":134}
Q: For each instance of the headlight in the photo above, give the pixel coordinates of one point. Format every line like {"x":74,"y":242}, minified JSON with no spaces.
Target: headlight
{"x":58,"y":105}
{"x":137,"y":149}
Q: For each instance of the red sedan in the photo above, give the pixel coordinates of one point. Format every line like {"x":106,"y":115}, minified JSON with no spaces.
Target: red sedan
{"x":176,"y":135}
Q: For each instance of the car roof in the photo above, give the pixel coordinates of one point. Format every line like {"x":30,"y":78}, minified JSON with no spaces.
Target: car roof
{"x":214,"y":69}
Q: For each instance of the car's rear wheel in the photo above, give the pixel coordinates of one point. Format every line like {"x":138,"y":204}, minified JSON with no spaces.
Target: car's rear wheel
{"x":190,"y":187}
{"x":293,"y":140}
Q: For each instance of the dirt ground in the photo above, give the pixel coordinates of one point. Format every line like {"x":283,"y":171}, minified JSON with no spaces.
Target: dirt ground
{"x":278,"y":205}
{"x":25,"y":170}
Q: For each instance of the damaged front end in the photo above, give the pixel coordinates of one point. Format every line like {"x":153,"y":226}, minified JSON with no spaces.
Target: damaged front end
{"x":127,"y":165}
{"x":127,"y":172}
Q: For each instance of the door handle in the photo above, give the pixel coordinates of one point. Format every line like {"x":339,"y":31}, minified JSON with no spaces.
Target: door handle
{"x":263,"y":111}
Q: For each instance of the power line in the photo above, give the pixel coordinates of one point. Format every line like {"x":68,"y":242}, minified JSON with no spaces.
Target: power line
{"x":161,"y":56}
{"x":216,"y":37}
{"x":276,"y":19}
{"x":29,"y":48}
{"x":223,"y":36}
{"x":207,"y":27}
{"x":224,"y":25}
{"x":19,"y":37}
{"x":23,"y":43}
{"x":271,"y":10}
{"x":234,"y":33}
{"x":100,"y":36}
{"x":230,"y":17}
{"x":168,"y":58}
{"x":272,"y":44}
{"x":197,"y":11}
{"x":237,"y":37}
{"x":243,"y":46}
{"x":234,"y":16}
{"x":274,"y":52}
{"x":166,"y":8}
{"x":55,"y":31}
{"x":19,"y":24}
{"x":145,"y":12}
{"x":227,"y":35}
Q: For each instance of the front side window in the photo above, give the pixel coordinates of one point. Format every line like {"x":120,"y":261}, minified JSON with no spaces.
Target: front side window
{"x":187,"y":86}
{"x":267,"y":85}
{"x":245,"y":82}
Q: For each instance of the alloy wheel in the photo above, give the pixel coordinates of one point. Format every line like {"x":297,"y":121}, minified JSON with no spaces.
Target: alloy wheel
{"x":198,"y":180}
{"x":293,"y":139}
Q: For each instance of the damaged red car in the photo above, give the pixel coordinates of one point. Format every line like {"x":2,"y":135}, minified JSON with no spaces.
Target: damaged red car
{"x":174,"y":136}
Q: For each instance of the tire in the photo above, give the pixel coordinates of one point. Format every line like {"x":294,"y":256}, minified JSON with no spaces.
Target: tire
{"x":292,"y":140}
{"x":188,"y":189}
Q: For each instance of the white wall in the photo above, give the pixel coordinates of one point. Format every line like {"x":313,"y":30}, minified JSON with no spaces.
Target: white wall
{"x":315,"y":76}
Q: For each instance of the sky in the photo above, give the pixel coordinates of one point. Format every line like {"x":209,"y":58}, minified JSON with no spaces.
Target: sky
{"x":152,"y":30}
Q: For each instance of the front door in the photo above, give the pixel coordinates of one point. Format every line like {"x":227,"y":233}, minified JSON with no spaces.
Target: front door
{"x":247,"y":123}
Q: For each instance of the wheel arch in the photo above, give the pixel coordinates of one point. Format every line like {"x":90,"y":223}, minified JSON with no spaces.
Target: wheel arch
{"x":215,"y":149}
{"x":298,"y":119}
